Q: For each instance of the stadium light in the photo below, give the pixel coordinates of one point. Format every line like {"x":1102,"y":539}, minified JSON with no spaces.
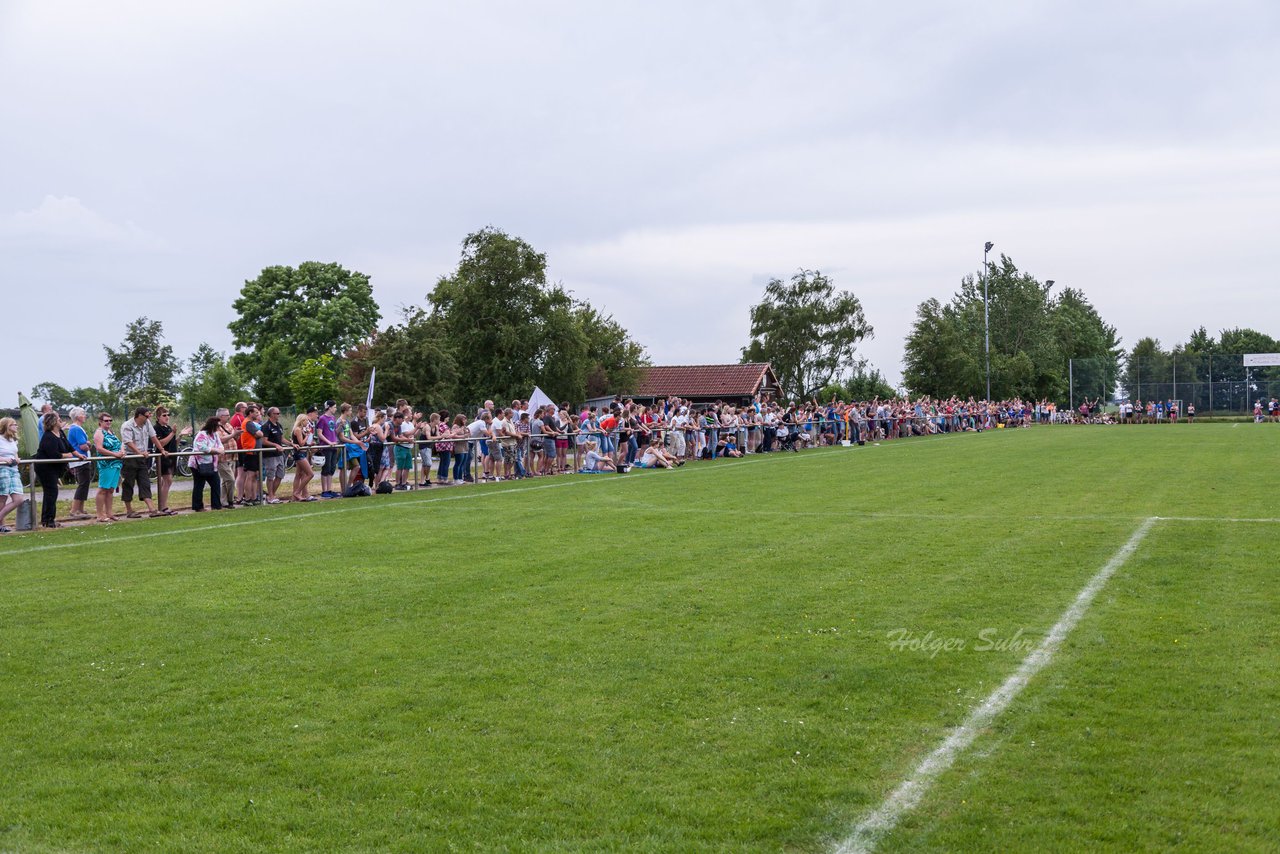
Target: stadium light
{"x":986,"y":317}
{"x":1048,"y":283}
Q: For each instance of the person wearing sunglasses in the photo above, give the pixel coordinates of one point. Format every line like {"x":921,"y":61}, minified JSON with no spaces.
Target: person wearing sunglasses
{"x":107,"y":444}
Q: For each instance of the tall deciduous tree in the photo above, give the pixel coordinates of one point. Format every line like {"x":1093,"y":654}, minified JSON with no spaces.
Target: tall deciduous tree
{"x":314,"y":381}
{"x":143,"y":368}
{"x":412,"y":362}
{"x":1034,"y":333}
{"x":508,"y":329}
{"x":211,"y":381}
{"x":807,"y":330}
{"x":289,"y":314}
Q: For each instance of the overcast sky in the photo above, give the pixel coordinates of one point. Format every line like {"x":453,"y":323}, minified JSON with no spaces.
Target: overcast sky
{"x":669,"y":158}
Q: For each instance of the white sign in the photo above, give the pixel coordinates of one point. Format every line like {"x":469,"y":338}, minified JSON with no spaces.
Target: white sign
{"x":1260,"y":360}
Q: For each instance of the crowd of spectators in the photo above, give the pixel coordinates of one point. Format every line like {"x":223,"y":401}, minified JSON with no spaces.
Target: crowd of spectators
{"x":241,"y":455}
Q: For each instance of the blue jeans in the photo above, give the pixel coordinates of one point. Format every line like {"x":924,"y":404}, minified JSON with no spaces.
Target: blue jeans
{"x":461,"y":464}
{"x":442,"y":473}
{"x":633,"y":448}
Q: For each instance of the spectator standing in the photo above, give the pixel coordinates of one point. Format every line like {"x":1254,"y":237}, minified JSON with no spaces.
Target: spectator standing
{"x":326,"y":436}
{"x":237,"y":460}
{"x":251,"y":460}
{"x":426,"y":433}
{"x":461,"y":450}
{"x":273,"y":457}
{"x":227,"y":461}
{"x":165,"y":444}
{"x":82,"y":468}
{"x":11,"y":492}
{"x":137,"y":435}
{"x":207,"y":448}
{"x":377,"y":440}
{"x":402,"y":442}
{"x":106,"y":444}
{"x":301,"y":439}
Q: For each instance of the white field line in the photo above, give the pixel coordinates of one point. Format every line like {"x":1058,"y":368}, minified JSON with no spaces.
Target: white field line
{"x":413,"y":502}
{"x":910,"y":792}
{"x":935,"y":517}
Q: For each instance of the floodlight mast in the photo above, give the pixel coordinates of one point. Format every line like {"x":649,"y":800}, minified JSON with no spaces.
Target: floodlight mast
{"x":986,"y":317}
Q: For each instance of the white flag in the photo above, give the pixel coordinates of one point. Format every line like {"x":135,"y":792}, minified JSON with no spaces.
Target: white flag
{"x":368,"y":403}
{"x":538,"y":398}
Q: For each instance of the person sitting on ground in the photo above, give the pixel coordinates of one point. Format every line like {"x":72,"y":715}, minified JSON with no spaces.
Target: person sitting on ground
{"x":595,"y":461}
{"x":654,"y":457}
{"x":730,"y":447}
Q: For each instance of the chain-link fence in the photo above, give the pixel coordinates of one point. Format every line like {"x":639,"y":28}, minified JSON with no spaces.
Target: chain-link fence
{"x":1216,"y":384}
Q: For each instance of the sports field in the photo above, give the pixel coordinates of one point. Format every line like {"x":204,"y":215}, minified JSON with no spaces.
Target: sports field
{"x":841,"y":649}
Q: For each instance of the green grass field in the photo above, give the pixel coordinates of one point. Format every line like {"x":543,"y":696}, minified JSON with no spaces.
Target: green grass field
{"x":700,"y":659}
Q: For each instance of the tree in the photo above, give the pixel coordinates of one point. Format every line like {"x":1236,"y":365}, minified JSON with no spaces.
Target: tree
{"x":271,"y":370}
{"x":1035,"y":335}
{"x":508,"y":330}
{"x":412,"y":362}
{"x":613,"y":358}
{"x":1148,"y":372}
{"x":289,"y":314}
{"x":143,"y":369}
{"x":1246,"y":341}
{"x":99,"y":399}
{"x":314,"y":381}
{"x":211,"y":381}
{"x":807,"y":330}
{"x":1090,"y":345}
{"x":940,"y":359}
{"x":863,"y":384}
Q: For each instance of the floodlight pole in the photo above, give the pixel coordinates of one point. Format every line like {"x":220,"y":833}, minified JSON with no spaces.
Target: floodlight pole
{"x":986,"y":316}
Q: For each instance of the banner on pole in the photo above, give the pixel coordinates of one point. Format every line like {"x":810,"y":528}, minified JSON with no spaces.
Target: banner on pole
{"x":1261,"y":360}
{"x":368,"y":403}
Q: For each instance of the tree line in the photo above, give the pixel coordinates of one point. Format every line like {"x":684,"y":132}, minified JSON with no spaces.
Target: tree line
{"x":495,"y":326}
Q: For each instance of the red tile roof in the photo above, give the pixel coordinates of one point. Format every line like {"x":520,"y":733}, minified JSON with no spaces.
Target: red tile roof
{"x":703,"y":380}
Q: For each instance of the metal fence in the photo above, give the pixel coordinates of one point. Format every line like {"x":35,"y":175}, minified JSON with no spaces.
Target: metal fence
{"x":1215,"y":383}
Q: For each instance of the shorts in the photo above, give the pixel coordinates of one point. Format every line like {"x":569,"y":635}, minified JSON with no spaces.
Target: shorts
{"x":562,"y":444}
{"x":168,"y":465}
{"x":273,"y":467}
{"x":404,"y":458}
{"x":484,"y":447}
{"x":10,"y":480}
{"x":299,"y":456}
{"x":497,"y":451}
{"x":330,"y":455}
{"x":136,"y":472}
{"x":250,"y":462}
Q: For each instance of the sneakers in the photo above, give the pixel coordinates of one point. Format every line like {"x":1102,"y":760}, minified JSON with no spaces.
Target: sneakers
{"x":458,"y":482}
{"x":403,"y":487}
